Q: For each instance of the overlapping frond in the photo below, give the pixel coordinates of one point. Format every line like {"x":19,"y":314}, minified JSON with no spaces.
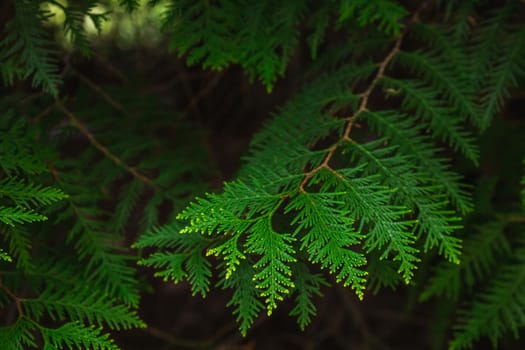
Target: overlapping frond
{"x":479,"y":255}
{"x":433,"y":218}
{"x":506,"y":69}
{"x":188,"y":262}
{"x":488,"y":283}
{"x":409,"y":135}
{"x":18,"y":336}
{"x":307,"y":285}
{"x":24,"y":196}
{"x":219,"y":34}
{"x":74,"y":23}
{"x":436,"y":73}
{"x":329,"y":236}
{"x":74,"y":335}
{"x":498,"y":309}
{"x":386,"y":15}
{"x":27,"y":50}
{"x":443,"y":122}
{"x":78,"y":311}
{"x":273,"y":269}
{"x":245,"y":297}
{"x":83,"y":305}
{"x":17,"y":147}
{"x":22,"y":199}
{"x":97,"y":246}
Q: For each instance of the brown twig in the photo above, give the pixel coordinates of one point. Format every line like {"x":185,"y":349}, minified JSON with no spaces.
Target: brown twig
{"x":363,"y":105}
{"x":189,"y":343}
{"x":324,"y":164}
{"x":17,"y":300}
{"x":103,"y":149}
{"x":43,"y":113}
{"x":99,"y":91}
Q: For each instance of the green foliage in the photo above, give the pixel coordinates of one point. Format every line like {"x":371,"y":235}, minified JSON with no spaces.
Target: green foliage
{"x":488,"y":282}
{"x":480,"y":253}
{"x":494,"y":309}
{"x":358,"y":179}
{"x":372,"y":195}
{"x":55,"y":283}
{"x":83,"y":282}
{"x":188,"y":263}
{"x":308,"y":285}
{"x":245,"y":301}
{"x":199,"y":30}
{"x":386,"y":15}
{"x":75,"y":336}
{"x":74,"y":18}
{"x":5,"y":257}
{"x":497,"y":308}
{"x":26,"y":49}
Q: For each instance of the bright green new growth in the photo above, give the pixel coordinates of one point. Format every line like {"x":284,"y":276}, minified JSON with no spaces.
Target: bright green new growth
{"x":352,"y":181}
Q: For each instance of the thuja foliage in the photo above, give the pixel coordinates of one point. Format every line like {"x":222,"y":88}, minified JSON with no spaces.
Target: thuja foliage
{"x":359,"y":179}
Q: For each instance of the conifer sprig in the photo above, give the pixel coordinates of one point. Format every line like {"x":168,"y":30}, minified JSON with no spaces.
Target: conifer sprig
{"x":384,"y":200}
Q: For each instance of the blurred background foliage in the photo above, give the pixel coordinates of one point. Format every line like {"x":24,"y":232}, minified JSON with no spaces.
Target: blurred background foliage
{"x":125,"y":30}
